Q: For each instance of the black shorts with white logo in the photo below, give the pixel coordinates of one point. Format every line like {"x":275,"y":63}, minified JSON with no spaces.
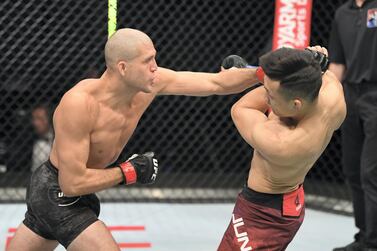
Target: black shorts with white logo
{"x":52,"y":215}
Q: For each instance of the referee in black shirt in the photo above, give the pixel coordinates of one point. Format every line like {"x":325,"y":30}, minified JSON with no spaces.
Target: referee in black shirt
{"x":353,"y":57}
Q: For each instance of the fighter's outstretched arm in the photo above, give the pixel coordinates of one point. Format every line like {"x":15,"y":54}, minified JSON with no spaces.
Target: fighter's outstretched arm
{"x":232,"y":81}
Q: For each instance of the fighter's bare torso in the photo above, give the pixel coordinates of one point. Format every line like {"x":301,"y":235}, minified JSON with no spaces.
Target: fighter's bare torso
{"x":109,"y":113}
{"x":111,"y":127}
{"x":303,"y":144}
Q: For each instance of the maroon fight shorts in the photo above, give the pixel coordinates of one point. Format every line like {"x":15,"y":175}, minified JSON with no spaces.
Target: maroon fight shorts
{"x":264,"y":222}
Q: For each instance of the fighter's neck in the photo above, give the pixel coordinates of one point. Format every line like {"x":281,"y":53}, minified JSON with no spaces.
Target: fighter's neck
{"x":115,"y":93}
{"x":293,"y":121}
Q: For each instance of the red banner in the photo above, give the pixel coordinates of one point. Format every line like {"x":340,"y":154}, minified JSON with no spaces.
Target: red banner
{"x":292,"y":24}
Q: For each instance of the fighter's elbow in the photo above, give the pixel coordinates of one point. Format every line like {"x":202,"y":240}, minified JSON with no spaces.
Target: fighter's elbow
{"x":69,"y":190}
{"x":69,"y":187}
{"x":235,"y":111}
{"x":66,"y":190}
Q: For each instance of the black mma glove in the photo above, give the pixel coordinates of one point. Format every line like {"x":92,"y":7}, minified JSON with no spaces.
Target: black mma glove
{"x":141,"y":168}
{"x":321,"y":58}
{"x":234,"y":61}
{"x":239,"y":62}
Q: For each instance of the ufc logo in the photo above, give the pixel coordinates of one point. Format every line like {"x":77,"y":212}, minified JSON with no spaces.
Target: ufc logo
{"x":241,"y":237}
{"x":155,"y":168}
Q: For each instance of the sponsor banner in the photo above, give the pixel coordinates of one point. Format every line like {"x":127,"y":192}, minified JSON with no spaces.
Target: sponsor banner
{"x":292,"y":24}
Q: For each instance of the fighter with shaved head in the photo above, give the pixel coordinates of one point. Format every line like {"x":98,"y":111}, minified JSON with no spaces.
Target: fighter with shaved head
{"x":93,"y":122}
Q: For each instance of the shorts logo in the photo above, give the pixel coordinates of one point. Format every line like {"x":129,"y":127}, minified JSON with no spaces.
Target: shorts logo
{"x":298,"y":204}
{"x":155,"y":169}
{"x":241,"y":237}
{"x":372,"y":18}
{"x":61,"y":195}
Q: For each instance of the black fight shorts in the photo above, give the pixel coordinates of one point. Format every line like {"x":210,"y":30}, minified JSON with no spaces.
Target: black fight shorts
{"x":52,"y":215}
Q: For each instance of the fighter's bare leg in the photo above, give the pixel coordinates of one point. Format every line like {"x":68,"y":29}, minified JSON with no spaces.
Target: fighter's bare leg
{"x":26,"y":240}
{"x":95,"y":237}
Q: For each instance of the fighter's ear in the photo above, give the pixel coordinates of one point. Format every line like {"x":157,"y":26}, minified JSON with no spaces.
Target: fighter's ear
{"x":122,"y":67}
{"x":297,"y":104}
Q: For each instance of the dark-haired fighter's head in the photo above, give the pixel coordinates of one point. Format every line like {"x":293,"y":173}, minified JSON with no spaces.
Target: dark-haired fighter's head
{"x":293,"y":79}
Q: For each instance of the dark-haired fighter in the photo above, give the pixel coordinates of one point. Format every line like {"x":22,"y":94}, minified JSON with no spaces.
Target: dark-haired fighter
{"x":307,"y":107}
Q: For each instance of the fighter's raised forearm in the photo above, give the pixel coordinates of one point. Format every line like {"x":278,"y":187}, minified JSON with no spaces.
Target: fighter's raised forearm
{"x":255,"y":99}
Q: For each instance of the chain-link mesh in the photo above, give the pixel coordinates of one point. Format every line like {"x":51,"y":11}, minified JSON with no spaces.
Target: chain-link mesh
{"x":48,"y":46}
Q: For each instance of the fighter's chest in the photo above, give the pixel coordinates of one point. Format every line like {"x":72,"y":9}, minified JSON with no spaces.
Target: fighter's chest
{"x":112,"y":131}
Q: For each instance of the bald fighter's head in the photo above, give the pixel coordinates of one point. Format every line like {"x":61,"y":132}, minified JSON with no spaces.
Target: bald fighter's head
{"x":125,"y":45}
{"x":131,"y":54}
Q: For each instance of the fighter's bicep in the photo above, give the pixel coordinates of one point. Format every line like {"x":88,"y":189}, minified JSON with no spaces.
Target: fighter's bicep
{"x":72,"y":148}
{"x":72,"y":135}
{"x":168,"y":82}
{"x":334,"y":100}
{"x":247,"y":121}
